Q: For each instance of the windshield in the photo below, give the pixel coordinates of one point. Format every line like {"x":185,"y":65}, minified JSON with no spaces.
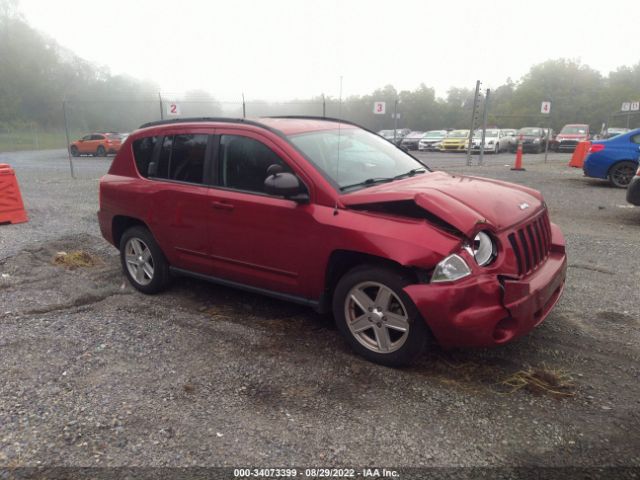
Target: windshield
{"x":435,"y":134}
{"x":574,"y":130}
{"x":362,"y":156}
{"x":489,"y":133}
{"x":530,"y":131}
{"x":458,"y":134}
{"x":415,"y":135}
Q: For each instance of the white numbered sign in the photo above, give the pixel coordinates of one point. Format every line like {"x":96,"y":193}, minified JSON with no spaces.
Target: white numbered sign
{"x":635,"y":106}
{"x":173,"y":109}
{"x":546,"y":107}
{"x":379,"y":108}
{"x":626,"y":106}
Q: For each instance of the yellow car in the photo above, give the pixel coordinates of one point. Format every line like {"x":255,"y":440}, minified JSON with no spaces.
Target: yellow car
{"x":456,"y":141}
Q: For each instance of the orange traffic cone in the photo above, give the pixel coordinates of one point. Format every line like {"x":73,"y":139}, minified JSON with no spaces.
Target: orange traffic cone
{"x":11,"y":206}
{"x":518,"y":165}
{"x":579,"y":154}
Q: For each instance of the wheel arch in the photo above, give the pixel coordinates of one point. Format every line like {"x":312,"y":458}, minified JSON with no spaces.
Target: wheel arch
{"x":620,"y":160}
{"x":121,"y":223}
{"x":342,"y":261}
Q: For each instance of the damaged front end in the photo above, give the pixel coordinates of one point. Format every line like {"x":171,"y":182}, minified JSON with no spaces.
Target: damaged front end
{"x":498,"y":283}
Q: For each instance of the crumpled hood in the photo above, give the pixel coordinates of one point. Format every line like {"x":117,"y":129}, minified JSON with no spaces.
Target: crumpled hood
{"x":461,"y":201}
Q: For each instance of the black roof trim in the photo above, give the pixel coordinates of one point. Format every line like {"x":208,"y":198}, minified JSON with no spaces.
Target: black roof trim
{"x":202,"y":119}
{"x":312,"y":117}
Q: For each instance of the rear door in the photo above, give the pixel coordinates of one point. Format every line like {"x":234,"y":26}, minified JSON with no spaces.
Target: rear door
{"x":258,"y":239}
{"x":181,"y":214}
{"x":84,"y":145}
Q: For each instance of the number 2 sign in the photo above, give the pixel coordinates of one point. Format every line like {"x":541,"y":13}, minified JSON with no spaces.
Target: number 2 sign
{"x":173,"y":109}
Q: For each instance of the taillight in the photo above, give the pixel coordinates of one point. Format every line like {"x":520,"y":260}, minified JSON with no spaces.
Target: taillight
{"x":596,"y":147}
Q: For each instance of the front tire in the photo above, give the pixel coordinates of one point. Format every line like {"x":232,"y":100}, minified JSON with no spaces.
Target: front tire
{"x":621,"y":173}
{"x":142,"y":261}
{"x":377,"y":318}
{"x":74,"y":151}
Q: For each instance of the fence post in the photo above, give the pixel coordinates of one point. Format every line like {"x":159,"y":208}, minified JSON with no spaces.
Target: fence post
{"x":484,"y":127}
{"x":66,"y":131}
{"x":473,"y":121}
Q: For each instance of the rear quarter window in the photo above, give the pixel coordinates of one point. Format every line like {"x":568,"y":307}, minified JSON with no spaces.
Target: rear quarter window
{"x":143,"y":153}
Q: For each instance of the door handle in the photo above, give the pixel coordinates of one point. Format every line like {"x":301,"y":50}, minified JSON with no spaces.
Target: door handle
{"x":222,"y":205}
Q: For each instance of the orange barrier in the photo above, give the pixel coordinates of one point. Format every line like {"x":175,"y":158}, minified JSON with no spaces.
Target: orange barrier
{"x":518,"y":165}
{"x":11,"y":206}
{"x":579,"y":154}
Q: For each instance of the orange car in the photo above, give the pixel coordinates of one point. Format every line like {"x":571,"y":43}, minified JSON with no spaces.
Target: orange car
{"x":96,"y":144}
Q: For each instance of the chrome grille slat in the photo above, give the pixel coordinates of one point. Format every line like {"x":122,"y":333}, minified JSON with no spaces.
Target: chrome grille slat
{"x":531,"y":244}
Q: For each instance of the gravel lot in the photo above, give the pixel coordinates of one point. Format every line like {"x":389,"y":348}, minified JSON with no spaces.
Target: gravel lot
{"x":96,"y":374}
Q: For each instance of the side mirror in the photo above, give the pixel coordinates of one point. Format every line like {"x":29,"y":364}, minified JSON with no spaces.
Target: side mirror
{"x":285,"y":184}
{"x":152,"y":169}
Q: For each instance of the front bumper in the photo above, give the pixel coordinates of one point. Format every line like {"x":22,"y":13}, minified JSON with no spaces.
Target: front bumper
{"x":489,"y":310}
{"x":633,"y":191}
{"x":454,"y":147}
{"x":569,"y":145}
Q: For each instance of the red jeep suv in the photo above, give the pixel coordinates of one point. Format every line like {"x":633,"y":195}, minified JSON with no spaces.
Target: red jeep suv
{"x":324,"y":213}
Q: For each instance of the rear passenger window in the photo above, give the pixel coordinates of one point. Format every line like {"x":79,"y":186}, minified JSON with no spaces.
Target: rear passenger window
{"x":182,"y":158}
{"x":636,"y":138}
{"x":243,"y":163}
{"x":143,"y":153}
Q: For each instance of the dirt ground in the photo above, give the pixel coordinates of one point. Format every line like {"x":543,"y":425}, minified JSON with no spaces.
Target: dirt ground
{"x":97,"y":374}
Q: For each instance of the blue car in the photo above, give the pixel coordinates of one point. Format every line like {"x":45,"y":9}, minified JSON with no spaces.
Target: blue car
{"x":614,"y":159}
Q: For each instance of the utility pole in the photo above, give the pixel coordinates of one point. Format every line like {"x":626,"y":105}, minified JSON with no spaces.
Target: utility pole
{"x":484,"y":127}
{"x":161,"y":110}
{"x":244,"y":109}
{"x":324,"y":106}
{"x":473,"y":121}
{"x":66,"y":131}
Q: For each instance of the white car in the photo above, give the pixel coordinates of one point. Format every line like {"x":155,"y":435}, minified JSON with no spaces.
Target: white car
{"x":431,"y":139}
{"x":495,"y":140}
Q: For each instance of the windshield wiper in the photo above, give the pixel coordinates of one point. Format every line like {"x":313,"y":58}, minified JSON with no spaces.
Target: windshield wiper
{"x":369,"y":181}
{"x":411,"y":173}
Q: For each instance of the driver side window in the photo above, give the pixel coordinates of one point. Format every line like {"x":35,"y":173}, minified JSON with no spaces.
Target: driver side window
{"x":243,"y":163}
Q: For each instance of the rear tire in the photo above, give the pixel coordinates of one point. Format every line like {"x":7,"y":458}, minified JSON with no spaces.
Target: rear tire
{"x":74,"y":151}
{"x":101,"y":152}
{"x":621,"y":173}
{"x":371,"y":310}
{"x":143,"y":262}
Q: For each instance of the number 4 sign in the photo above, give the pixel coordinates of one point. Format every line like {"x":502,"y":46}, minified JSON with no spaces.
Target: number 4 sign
{"x":379,"y":108}
{"x":546,"y":107}
{"x":173,"y":109}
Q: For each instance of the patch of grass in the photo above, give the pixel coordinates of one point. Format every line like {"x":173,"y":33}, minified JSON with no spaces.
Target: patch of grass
{"x":76,"y":259}
{"x":541,"y":381}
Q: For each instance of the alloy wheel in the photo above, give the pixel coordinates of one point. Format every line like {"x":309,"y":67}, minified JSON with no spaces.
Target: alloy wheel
{"x":376,"y":317}
{"x":139,"y":261}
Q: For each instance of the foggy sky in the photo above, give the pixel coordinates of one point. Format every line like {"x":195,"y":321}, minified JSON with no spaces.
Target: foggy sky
{"x":284,"y":49}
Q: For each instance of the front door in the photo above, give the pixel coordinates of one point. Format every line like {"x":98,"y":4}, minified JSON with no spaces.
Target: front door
{"x":257,"y":239}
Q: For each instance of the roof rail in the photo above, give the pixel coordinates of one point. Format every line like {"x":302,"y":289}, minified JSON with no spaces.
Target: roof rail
{"x":313,"y":117}
{"x":200,"y":119}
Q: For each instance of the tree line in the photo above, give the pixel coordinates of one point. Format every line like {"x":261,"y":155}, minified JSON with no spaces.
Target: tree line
{"x":37,"y":75}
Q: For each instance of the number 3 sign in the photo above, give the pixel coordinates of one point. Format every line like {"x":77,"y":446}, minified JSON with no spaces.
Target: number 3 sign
{"x":379,"y":108}
{"x":173,"y":109}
